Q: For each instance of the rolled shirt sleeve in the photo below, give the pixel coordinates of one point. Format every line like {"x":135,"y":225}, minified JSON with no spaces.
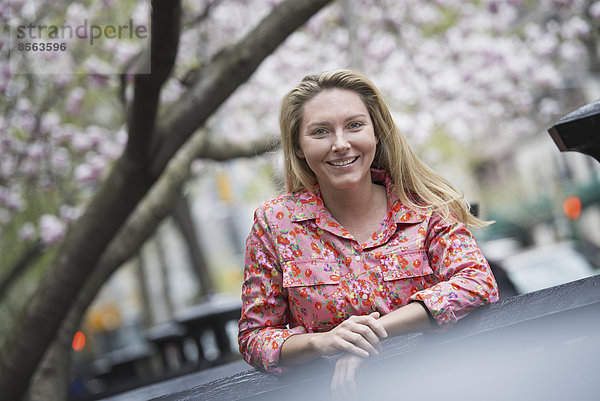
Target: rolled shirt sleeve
{"x":464,"y":278}
{"x":263,"y":326}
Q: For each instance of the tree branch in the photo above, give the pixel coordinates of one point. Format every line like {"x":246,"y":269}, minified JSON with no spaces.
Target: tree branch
{"x":26,"y":259}
{"x":166,"y":16}
{"x":221,"y":151}
{"x":24,"y":345}
{"x":229,"y":69}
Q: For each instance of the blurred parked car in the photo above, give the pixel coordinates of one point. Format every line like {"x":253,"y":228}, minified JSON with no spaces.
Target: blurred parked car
{"x":545,"y":266}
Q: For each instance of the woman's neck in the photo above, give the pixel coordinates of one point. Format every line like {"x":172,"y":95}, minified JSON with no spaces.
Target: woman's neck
{"x":359,"y":210}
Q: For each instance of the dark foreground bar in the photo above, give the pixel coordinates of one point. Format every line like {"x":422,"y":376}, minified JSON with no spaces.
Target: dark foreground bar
{"x":538,"y":346}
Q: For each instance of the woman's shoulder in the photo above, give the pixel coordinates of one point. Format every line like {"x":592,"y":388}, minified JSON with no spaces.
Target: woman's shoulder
{"x":287,"y":203}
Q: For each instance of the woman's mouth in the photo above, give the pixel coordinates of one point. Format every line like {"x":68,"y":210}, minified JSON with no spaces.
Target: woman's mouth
{"x":342,"y":163}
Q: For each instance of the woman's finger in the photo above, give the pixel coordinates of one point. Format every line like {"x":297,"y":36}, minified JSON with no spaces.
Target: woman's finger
{"x":343,"y":382}
{"x":358,"y":340}
{"x":367,"y":333}
{"x":372,"y":322}
{"x":343,"y":344}
{"x":337,"y":382}
{"x":360,"y":326}
{"x":349,"y":377}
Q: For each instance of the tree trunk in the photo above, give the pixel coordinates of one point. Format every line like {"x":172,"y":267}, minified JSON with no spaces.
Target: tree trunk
{"x":132,"y":177}
{"x":138,"y":229}
{"x":183,"y":217}
{"x":142,"y":279}
{"x":165,"y":283}
{"x":55,"y":367}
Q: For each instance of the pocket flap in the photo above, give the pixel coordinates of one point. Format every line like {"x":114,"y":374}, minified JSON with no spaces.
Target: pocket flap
{"x":405,"y":264}
{"x":300,"y":273}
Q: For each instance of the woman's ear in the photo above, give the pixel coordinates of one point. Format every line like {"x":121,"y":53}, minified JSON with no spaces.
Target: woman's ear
{"x":299,"y":153}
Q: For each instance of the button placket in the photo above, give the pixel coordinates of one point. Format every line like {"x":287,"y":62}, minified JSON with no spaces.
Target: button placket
{"x":357,"y":252}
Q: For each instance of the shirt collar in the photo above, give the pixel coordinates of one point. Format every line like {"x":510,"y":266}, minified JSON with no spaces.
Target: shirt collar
{"x":310,"y":205}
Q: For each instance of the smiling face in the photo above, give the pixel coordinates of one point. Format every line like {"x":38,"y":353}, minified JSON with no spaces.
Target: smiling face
{"x":337,"y":140}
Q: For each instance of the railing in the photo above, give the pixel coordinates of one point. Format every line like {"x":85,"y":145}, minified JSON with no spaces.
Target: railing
{"x":169,"y":350}
{"x":543,"y":345}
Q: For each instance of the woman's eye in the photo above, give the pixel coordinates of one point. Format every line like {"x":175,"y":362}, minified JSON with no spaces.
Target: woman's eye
{"x":319,"y":132}
{"x":355,"y":125}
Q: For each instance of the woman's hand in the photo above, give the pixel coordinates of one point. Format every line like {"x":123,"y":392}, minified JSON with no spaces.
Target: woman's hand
{"x":343,"y":382}
{"x":357,"y":335}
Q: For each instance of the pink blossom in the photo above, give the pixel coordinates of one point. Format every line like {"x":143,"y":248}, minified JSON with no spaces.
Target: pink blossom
{"x":76,"y":13}
{"x":110,"y":149}
{"x":24,"y":105}
{"x":426,"y":14}
{"x":11,"y":199}
{"x":549,"y":107}
{"x":594,"y":10}
{"x":27,"y":232}
{"x":16,"y":5}
{"x":75,"y":100}
{"x":46,"y":184}
{"x":572,"y":51}
{"x":52,"y":229}
{"x":63,"y":80}
{"x":575,"y":27}
{"x":97,"y":70}
{"x":96,"y":134}
{"x":91,"y":171}
{"x":81,"y":142}
{"x":26,"y":122}
{"x":36,"y":151}
{"x":546,"y":76}
{"x":85,"y":174}
{"x":50,"y":121}
{"x":121,"y":136}
{"x":70,"y":213}
{"x":30,"y":168}
{"x":124,"y":52}
{"x":545,"y":45}
{"x":59,"y":159}
{"x":141,"y":13}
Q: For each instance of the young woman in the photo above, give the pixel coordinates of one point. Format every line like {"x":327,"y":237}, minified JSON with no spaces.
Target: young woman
{"x":368,"y":242}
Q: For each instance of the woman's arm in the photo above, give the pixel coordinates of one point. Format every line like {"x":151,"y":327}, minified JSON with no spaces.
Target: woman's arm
{"x":263,"y":326}
{"x":358,"y":335}
{"x":407,"y":319}
{"x":465,"y":278}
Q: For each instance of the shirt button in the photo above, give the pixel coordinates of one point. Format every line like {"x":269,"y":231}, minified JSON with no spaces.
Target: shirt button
{"x":357,"y":258}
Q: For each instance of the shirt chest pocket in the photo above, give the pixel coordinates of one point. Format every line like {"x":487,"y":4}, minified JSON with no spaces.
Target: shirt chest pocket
{"x":407,"y":264}
{"x":303,"y":273}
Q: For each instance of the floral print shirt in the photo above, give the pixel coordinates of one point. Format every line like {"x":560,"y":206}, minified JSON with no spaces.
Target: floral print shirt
{"x":305,"y":273}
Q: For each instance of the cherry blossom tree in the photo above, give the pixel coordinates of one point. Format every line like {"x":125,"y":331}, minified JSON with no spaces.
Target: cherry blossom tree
{"x":151,"y":143}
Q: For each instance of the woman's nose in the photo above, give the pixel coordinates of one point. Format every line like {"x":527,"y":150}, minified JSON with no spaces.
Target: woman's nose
{"x":340,"y":143}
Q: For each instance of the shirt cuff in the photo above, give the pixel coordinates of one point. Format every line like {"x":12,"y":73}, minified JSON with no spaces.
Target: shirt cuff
{"x":437,"y":307}
{"x":272,"y":349}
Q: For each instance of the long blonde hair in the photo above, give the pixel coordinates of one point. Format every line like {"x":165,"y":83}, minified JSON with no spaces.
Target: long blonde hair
{"x":419,"y":187}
